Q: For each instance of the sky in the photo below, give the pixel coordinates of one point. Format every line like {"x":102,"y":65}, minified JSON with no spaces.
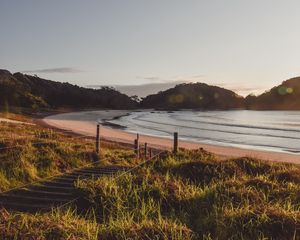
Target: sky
{"x":245,"y":46}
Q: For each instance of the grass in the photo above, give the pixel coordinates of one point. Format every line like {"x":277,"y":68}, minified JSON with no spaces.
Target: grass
{"x":16,"y":116}
{"x":189,"y":196}
{"x":57,"y":225}
{"x":205,"y":198}
{"x":192,"y":195}
{"x":29,"y":153}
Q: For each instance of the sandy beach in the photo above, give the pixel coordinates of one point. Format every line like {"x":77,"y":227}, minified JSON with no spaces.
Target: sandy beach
{"x":85,"y":123}
{"x":14,"y":121}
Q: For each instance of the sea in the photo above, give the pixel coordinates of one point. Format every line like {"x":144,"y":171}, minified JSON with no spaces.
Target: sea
{"x":276,"y":131}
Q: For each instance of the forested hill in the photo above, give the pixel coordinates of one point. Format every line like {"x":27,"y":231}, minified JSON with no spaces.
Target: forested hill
{"x":21,"y":90}
{"x":194,"y":96}
{"x":286,"y":96}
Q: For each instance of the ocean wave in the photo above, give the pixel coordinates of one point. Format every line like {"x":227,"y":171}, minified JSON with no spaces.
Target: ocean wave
{"x":221,"y":131}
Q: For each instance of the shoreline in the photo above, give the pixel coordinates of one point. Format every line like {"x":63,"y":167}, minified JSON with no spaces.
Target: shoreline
{"x":85,"y":123}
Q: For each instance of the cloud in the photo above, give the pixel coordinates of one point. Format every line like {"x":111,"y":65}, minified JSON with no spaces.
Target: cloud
{"x":151,"y":78}
{"x":247,"y":89}
{"x":198,"y":76}
{"x":54,"y":70}
{"x":142,"y":90}
{"x":243,"y":90}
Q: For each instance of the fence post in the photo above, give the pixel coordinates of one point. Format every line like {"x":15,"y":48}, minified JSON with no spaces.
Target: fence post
{"x":146,"y":149}
{"x":137,"y":148}
{"x":98,"y":139}
{"x":175,"y":145}
{"x":150,"y":153}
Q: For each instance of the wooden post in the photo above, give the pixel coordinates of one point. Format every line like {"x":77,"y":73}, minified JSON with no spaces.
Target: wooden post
{"x":98,"y":139}
{"x":146,"y":150}
{"x":175,"y":146}
{"x":137,"y":148}
{"x":150,"y":153}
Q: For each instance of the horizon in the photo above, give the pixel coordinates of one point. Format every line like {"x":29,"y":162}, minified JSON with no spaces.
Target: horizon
{"x":237,"y":46}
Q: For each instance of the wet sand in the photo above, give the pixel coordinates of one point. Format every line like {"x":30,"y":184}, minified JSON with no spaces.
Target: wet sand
{"x":85,"y":123}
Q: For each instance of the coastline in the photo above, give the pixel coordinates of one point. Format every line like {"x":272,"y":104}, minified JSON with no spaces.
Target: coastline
{"x":85,"y":123}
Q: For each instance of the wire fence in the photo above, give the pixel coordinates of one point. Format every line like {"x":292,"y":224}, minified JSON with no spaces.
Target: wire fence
{"x":53,"y":133}
{"x":47,"y":136}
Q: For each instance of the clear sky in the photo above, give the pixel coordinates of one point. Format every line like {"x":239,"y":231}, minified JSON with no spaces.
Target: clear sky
{"x":247,"y":46}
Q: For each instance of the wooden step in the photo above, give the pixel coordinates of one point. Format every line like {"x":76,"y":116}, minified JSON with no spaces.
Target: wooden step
{"x":42,"y":194}
{"x":58,"y":184}
{"x":89,"y":171}
{"x":66,"y":179}
{"x":86,"y":174}
{"x":31,"y":200}
{"x":22,"y":207}
{"x":56,"y":191}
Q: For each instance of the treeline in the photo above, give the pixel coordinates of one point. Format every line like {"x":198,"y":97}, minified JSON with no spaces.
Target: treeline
{"x":21,"y":90}
{"x":286,"y":96}
{"x":205,"y":97}
{"x":194,"y":96}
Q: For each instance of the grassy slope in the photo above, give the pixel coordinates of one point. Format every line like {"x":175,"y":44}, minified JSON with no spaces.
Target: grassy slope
{"x":201,"y":197}
{"x":29,"y":153}
{"x":188,"y":196}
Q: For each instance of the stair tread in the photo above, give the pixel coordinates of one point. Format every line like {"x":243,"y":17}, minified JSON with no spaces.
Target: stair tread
{"x":52,"y":192}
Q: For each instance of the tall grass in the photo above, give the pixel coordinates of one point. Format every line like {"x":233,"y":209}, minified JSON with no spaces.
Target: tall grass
{"x":57,"y":225}
{"x":29,"y":153}
{"x":37,"y":154}
{"x":192,"y":195}
{"x":207,"y":199}
{"x":177,"y":197}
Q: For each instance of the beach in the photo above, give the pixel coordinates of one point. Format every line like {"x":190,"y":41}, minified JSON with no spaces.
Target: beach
{"x":85,"y":123}
{"x":14,"y":121}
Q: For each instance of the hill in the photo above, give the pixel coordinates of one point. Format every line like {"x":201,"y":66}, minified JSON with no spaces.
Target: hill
{"x":32,"y":92}
{"x":286,"y":96}
{"x":21,"y":90}
{"x":194,"y":96}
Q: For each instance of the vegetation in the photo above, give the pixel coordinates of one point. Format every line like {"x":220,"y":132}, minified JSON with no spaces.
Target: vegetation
{"x":20,"y":90}
{"x":201,"y":197}
{"x":286,"y":96}
{"x":194,"y":96}
{"x":189,"y":196}
{"x":192,"y":195}
{"x":24,"y":91}
{"x":58,"y":225}
{"x":29,"y":153}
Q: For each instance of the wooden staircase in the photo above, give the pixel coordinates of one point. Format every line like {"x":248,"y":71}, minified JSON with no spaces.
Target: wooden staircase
{"x":55,"y":192}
